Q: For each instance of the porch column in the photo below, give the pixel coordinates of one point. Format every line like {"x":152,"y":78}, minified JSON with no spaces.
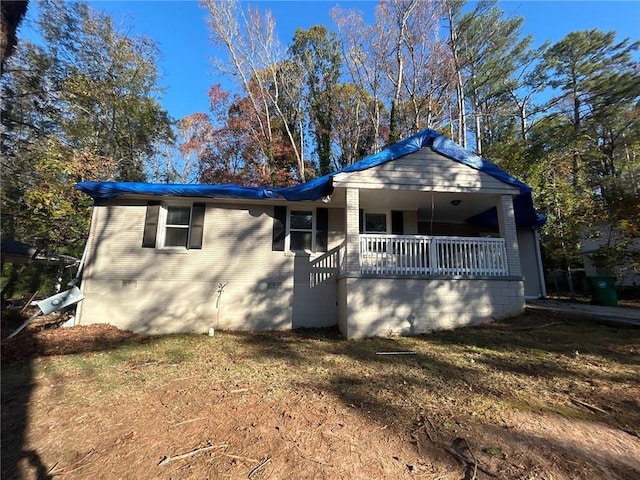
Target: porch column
{"x":507,"y":225}
{"x":352,"y":240}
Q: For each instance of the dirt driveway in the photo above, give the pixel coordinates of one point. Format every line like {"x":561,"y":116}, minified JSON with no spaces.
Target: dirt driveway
{"x":524,"y":399}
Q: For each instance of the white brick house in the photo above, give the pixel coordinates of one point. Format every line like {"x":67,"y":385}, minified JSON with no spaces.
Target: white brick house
{"x":419,"y":237}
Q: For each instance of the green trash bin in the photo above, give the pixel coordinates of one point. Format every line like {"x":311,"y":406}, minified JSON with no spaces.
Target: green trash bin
{"x":603,"y":291}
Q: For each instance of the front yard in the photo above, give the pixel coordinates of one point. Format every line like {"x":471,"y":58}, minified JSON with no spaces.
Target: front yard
{"x":528,"y":398}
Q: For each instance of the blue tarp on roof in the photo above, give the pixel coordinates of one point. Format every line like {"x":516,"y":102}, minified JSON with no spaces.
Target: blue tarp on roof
{"x":322,"y":186}
{"x":101,"y":191}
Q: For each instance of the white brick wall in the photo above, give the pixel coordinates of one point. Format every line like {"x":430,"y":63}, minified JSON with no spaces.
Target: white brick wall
{"x":412,"y":306}
{"x":160,"y":291}
{"x":352,"y":257}
{"x":156,"y":291}
{"x":508,"y":231}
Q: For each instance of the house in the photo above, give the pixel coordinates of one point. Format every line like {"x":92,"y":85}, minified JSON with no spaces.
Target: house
{"x":419,"y":237}
{"x":597,"y":244}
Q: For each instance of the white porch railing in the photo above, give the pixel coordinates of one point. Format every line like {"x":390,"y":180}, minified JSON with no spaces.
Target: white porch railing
{"x":426,"y":255}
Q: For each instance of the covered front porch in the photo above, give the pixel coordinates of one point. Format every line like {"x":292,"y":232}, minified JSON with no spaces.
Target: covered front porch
{"x":432,"y":237}
{"x":411,"y":264}
{"x":427,"y":233}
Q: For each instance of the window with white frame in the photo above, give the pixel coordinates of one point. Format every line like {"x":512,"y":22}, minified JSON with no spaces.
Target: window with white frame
{"x":301,"y":230}
{"x":176,"y":225}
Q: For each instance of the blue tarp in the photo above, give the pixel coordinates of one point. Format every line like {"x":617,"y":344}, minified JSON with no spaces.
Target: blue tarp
{"x":101,"y":191}
{"x":322,"y":186}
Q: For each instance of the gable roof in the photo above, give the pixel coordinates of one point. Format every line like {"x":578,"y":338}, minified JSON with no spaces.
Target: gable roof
{"x":320,"y":187}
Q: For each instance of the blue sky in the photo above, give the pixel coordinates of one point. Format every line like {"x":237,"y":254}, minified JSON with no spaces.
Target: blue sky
{"x":179,"y":27}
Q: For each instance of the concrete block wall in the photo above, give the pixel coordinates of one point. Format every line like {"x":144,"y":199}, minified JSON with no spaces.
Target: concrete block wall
{"x":374,"y":306}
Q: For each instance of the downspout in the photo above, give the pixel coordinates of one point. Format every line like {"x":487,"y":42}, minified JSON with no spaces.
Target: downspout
{"x":543,"y":287}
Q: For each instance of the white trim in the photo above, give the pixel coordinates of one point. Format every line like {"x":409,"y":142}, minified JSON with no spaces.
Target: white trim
{"x":162,"y":225}
{"x":314,"y":226}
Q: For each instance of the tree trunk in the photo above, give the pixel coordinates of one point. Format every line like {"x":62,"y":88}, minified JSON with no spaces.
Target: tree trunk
{"x":462,"y":120}
{"x":394,"y":121}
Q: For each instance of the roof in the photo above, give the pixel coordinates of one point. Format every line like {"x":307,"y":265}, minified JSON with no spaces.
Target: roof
{"x":320,"y":187}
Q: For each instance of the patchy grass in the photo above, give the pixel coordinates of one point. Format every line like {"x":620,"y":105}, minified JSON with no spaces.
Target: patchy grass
{"x":476,"y":382}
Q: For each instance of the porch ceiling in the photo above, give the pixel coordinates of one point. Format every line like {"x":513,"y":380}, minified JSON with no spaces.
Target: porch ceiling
{"x":470,"y":203}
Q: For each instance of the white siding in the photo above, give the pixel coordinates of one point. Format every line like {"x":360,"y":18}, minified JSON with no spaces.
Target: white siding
{"x":424,"y":170}
{"x":234,"y":282}
{"x":508,"y":231}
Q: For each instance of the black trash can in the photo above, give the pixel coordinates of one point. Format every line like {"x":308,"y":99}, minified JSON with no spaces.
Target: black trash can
{"x":603,"y":290}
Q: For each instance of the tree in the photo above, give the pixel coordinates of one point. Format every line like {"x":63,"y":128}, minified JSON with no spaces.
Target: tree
{"x":401,"y":63}
{"x":589,"y":139}
{"x":429,"y":75}
{"x":364,"y":65}
{"x":81,"y":106}
{"x":419,"y":67}
{"x":487,"y":51}
{"x":579,"y":66}
{"x":11,"y":15}
{"x":454,"y":12}
{"x":400,"y":13}
{"x":256,"y":59}
{"x":527,"y":82}
{"x":355,"y":139}
{"x":219,"y":146}
{"x":318,"y":53}
{"x":569,"y":209}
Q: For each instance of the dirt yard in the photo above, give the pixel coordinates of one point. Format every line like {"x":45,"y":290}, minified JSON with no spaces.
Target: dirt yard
{"x":530,"y":398}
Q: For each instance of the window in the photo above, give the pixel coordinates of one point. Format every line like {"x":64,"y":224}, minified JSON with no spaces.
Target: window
{"x":177,"y":222}
{"x":295,"y":229}
{"x":174,"y":226}
{"x":301,"y":230}
{"x":375,"y":222}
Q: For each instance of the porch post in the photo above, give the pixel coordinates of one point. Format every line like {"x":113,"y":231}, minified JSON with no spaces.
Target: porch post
{"x":352,"y":240}
{"x":507,"y":226}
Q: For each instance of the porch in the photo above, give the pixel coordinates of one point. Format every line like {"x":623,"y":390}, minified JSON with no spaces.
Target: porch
{"x":400,"y":280}
{"x":432,"y":255}
{"x":415,"y":259}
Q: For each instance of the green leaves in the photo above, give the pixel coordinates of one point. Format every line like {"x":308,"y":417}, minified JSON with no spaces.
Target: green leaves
{"x":318,"y":53}
{"x":582,"y":153}
{"x":82,"y":105}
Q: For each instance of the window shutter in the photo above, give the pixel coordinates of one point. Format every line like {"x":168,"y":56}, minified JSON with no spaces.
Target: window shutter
{"x":361,"y":220}
{"x":397,"y":222}
{"x":197,"y":225}
{"x":151,"y":225}
{"x":279,"y":228}
{"x":322,"y":229}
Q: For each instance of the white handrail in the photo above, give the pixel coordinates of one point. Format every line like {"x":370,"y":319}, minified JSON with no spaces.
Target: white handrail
{"x":431,"y":255}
